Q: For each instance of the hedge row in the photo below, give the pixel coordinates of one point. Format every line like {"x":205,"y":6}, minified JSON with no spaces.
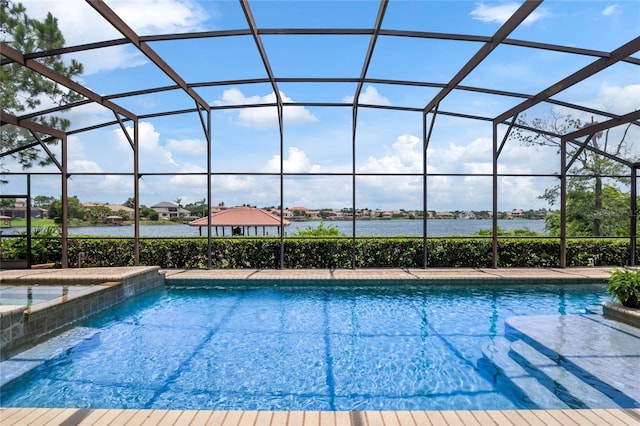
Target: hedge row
{"x":264,"y":253}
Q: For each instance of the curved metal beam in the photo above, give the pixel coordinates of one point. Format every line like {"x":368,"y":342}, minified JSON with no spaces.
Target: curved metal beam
{"x":51,"y":74}
{"x":115,"y":20}
{"x":617,"y":55}
{"x":511,"y":24}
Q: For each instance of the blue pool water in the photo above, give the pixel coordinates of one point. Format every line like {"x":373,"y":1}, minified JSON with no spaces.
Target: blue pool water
{"x":297,"y":349}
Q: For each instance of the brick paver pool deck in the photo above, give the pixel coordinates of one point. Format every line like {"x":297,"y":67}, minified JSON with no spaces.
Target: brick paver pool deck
{"x":75,"y":416}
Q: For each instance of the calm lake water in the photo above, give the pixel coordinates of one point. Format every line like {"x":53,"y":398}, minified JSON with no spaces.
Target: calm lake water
{"x":435,"y":228}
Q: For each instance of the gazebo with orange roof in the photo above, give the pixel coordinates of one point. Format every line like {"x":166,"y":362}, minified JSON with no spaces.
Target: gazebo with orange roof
{"x":240,"y":220}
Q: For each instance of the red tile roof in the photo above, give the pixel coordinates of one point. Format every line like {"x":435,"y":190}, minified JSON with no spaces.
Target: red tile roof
{"x":241,"y":216}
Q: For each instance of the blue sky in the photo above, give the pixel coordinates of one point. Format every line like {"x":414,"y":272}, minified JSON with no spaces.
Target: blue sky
{"x":317,"y":139}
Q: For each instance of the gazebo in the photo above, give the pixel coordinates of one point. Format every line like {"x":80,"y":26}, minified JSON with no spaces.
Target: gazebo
{"x":240,"y":220}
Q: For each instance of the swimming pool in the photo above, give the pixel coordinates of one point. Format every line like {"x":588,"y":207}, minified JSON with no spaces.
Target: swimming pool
{"x":324,"y":348}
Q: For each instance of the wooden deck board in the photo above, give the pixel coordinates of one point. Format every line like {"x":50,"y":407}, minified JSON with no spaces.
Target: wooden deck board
{"x":139,"y":417}
{"x":59,"y":416}
{"x":232,"y":418}
{"x":389,"y":418}
{"x":405,"y":418}
{"x":248,"y":418}
{"x":186,"y":417}
{"x":296,"y":417}
{"x":627,"y":417}
{"x":515,"y":417}
{"x":24,"y":416}
{"x":280,"y":418}
{"x":217,"y":418}
{"x":263,"y":418}
{"x":468,"y":418}
{"x":124,"y":418}
{"x":452,"y":418}
{"x":498,"y":417}
{"x":7,"y":414}
{"x":327,"y":418}
{"x":201,"y":417}
{"x":546,"y":418}
{"x":483,"y":418}
{"x":435,"y":418}
{"x":343,"y":418}
{"x":374,"y":418}
{"x":154,"y":418}
{"x":563,"y":418}
{"x":72,"y":416}
{"x":312,"y":418}
{"x":420,"y":418}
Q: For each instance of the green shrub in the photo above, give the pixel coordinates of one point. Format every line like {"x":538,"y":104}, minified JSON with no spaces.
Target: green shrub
{"x":320,"y":231}
{"x":325,"y":252}
{"x":45,"y":245}
{"x":624,"y":285}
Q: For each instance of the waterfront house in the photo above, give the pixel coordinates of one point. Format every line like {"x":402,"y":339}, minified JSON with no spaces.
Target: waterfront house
{"x":167,"y":210}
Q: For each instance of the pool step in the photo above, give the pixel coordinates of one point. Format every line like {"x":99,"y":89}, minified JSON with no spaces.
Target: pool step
{"x":498,"y":352}
{"x":558,"y":379}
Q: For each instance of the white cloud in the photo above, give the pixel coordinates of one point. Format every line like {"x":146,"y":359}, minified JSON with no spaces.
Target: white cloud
{"x":109,"y":58}
{"x":610,"y":10}
{"x":369,"y":96}
{"x":161,"y":16}
{"x":264,"y":117}
{"x":80,"y":24}
{"x":153,"y":154}
{"x":187,"y":146}
{"x":76,"y":156}
{"x":296,"y":162}
{"x":193,"y":187}
{"x":405,"y":157}
{"x":617,"y":99}
{"x":106,"y":188}
{"x":501,"y":13}
{"x":456,"y":158}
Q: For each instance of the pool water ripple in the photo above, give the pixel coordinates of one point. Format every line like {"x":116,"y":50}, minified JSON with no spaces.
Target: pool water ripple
{"x":297,"y":349}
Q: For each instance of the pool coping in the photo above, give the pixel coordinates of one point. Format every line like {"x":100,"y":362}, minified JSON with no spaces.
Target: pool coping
{"x":622,"y":313}
{"x":565,"y":275}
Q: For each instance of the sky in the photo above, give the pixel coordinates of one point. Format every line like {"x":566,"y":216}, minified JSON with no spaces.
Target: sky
{"x":319,"y":140}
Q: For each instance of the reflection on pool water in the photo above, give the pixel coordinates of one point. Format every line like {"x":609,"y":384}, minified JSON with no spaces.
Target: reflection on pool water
{"x":321,"y":348}
{"x":27,"y":295}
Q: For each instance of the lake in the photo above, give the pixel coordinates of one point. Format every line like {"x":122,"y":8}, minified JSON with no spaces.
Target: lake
{"x":435,"y":228}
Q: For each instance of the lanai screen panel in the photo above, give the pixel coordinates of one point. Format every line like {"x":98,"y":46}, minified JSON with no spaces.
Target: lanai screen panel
{"x":317,"y":140}
{"x":363,"y":74}
{"x":389,"y":142}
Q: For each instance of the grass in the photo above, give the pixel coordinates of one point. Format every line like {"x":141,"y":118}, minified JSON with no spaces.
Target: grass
{"x":19,"y":222}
